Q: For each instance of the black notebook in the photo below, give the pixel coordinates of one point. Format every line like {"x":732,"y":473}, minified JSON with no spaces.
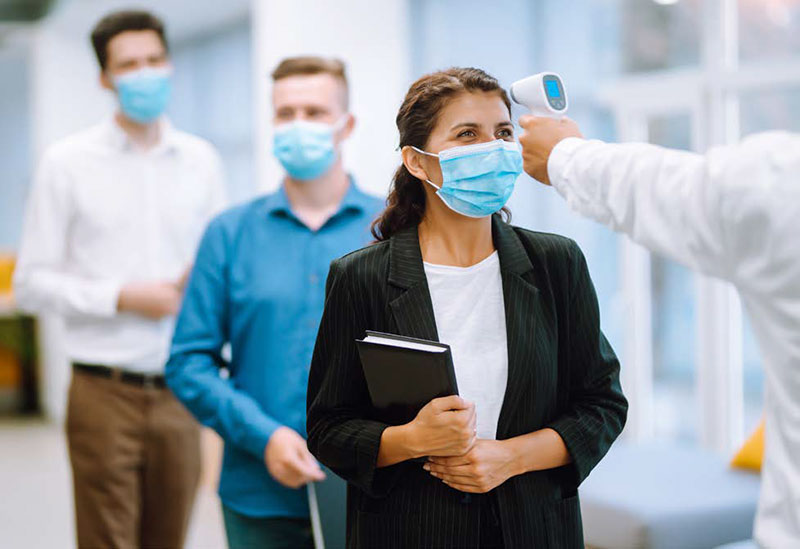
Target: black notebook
{"x":404,"y":374}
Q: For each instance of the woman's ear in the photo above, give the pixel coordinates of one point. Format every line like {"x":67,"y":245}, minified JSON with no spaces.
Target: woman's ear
{"x":412,"y":160}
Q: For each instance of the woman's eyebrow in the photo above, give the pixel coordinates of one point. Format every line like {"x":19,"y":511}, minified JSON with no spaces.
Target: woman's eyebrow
{"x":465,"y":125}
{"x":507,"y":123}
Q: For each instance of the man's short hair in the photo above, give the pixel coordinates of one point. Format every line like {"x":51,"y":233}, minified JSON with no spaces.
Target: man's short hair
{"x":308,"y":65}
{"x":121,"y":21}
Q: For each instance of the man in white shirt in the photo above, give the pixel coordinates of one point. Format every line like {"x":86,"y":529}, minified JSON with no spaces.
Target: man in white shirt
{"x":111,"y":229}
{"x":732,"y":213}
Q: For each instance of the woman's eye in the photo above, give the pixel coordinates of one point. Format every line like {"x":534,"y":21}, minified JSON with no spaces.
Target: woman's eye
{"x":467,"y":133}
{"x":505,"y":134}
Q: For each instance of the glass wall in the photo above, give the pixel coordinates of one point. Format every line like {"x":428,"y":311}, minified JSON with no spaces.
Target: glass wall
{"x":659,"y":35}
{"x":768,"y":29}
{"x":675,"y":410}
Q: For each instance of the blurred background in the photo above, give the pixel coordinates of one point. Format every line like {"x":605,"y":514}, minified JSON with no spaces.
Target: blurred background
{"x":688,"y":74}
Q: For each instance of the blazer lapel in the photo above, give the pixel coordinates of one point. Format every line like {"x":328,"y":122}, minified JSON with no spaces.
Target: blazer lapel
{"x":523,"y":320}
{"x":412,"y":307}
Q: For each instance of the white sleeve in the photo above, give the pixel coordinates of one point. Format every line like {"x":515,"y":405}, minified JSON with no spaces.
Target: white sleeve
{"x":671,"y":202}
{"x":41,"y":282}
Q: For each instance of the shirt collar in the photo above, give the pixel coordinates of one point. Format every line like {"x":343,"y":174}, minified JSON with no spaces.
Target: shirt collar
{"x":118,"y":139}
{"x":354,"y":201}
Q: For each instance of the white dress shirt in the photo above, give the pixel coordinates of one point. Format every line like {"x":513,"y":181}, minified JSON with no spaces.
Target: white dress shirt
{"x":735,"y":214}
{"x":470,"y":316}
{"x":103,"y":213}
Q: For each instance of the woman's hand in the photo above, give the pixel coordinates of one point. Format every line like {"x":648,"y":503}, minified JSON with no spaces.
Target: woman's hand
{"x":486,"y":466}
{"x":444,"y":427}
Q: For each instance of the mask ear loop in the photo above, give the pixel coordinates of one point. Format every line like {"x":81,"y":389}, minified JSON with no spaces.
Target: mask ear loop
{"x":337,"y":126}
{"x":341,"y":123}
{"x":431,"y":183}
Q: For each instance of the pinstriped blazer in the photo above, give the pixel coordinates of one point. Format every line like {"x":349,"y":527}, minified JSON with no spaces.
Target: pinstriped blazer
{"x":562,"y":374}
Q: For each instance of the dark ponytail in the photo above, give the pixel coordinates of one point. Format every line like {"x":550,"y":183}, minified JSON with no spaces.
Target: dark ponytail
{"x":416,"y":119}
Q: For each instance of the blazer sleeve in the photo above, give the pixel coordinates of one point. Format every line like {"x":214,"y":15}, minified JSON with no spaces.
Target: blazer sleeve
{"x":596,"y":409}
{"x":339,"y":435}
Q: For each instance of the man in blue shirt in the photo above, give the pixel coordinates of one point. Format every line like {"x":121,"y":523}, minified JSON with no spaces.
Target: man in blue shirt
{"x":258,"y":284}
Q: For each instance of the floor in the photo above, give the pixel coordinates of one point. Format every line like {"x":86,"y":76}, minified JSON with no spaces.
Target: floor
{"x":36,"y":504}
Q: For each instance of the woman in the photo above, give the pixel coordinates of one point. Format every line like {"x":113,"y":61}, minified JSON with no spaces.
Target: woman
{"x":540,"y":401}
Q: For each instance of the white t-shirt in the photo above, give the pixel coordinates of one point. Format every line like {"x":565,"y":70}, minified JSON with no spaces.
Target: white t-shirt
{"x":470,"y":317}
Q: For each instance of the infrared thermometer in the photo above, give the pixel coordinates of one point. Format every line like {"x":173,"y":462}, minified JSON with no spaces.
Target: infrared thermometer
{"x":542,"y":93}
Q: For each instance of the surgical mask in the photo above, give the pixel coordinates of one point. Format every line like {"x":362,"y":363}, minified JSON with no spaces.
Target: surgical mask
{"x":144,"y":93}
{"x":477,"y":180}
{"x":306,"y":149}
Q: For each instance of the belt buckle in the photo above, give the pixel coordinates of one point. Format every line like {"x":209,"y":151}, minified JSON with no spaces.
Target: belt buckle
{"x":148,"y":382}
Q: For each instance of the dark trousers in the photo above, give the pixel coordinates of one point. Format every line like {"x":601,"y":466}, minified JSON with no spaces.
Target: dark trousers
{"x":266,"y":533}
{"x":135,"y":462}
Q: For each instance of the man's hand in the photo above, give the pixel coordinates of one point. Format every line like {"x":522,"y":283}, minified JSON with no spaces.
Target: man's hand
{"x":289,"y":461}
{"x":150,"y":299}
{"x":540,"y":137}
{"x":488,"y":465}
{"x":153,"y":299}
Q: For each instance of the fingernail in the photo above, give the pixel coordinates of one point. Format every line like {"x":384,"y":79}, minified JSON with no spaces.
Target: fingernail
{"x":426,"y":467}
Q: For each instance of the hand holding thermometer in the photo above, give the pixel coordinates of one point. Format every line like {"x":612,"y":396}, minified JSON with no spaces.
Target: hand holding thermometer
{"x":542,"y":93}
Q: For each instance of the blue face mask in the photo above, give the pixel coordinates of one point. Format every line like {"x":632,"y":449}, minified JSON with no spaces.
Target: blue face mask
{"x":477,"y":180}
{"x":306,"y":149}
{"x":144,"y":93}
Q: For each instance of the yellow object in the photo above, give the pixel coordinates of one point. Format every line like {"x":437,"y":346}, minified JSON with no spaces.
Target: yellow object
{"x":10,"y":369}
{"x":6,"y":272}
{"x":751,"y":454}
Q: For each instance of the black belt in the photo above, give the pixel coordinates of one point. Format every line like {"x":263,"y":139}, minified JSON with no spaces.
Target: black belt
{"x":125,"y":376}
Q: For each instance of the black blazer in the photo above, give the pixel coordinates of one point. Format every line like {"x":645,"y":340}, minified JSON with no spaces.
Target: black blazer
{"x":562,"y":374}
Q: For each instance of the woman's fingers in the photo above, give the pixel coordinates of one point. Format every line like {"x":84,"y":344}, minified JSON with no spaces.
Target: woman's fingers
{"x":465,"y":488}
{"x":461,"y":469}
{"x":469,"y":480}
{"x":454,"y":461}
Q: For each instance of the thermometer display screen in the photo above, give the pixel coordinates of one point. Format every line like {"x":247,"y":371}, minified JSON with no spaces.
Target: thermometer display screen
{"x":552,"y":88}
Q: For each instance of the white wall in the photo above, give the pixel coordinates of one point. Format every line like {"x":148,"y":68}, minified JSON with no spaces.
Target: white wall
{"x":372,"y":38}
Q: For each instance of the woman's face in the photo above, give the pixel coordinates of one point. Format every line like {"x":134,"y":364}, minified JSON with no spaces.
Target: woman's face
{"x":467,"y":119}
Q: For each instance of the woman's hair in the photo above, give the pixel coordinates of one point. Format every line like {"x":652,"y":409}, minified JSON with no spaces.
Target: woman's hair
{"x":416,"y":119}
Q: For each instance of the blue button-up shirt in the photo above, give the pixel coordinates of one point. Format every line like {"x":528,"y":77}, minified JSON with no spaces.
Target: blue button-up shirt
{"x":258,"y":283}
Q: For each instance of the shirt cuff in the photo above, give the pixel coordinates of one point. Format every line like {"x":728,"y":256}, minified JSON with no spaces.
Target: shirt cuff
{"x":260,"y":431}
{"x":557,"y":163}
{"x":107,"y":298}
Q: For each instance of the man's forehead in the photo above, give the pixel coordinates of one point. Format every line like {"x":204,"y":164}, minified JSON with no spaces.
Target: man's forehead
{"x":137,"y":42}
{"x":308,"y":87}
